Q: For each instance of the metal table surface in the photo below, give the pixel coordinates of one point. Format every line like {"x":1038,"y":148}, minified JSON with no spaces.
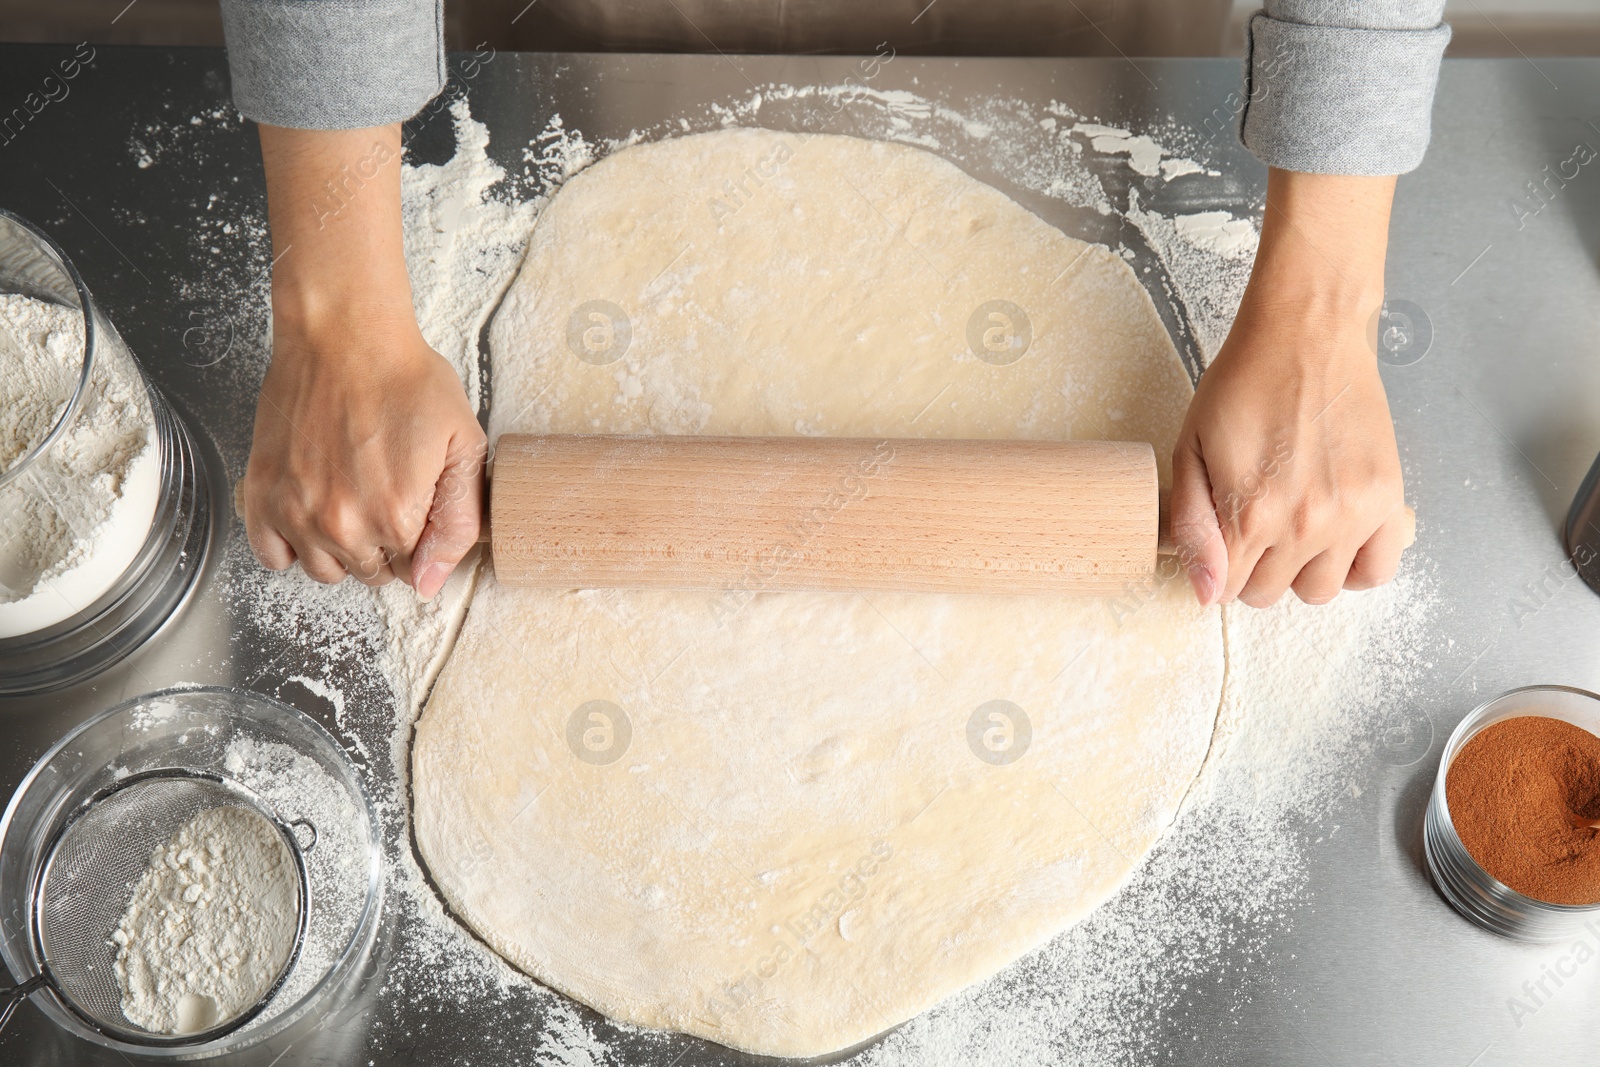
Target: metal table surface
{"x":1497,"y":425}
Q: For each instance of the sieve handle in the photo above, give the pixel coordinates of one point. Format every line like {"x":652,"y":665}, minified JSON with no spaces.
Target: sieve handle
{"x":10,"y":998}
{"x":310,"y":828}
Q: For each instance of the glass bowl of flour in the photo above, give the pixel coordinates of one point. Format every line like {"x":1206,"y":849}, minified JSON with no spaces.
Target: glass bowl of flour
{"x":104,"y":510}
{"x":281,"y":757}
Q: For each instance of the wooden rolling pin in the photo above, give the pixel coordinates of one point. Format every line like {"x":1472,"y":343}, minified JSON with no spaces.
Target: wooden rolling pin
{"x":771,"y":513}
{"x":821,"y":513}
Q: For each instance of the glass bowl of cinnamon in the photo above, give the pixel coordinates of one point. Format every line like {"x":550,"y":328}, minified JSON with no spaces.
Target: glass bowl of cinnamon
{"x":1508,"y":831}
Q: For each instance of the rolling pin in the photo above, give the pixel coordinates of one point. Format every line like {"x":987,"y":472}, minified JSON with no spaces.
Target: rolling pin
{"x":819,"y":513}
{"x":826,"y":513}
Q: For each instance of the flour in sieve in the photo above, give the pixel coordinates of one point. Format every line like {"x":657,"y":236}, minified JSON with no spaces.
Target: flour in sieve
{"x":71,"y":521}
{"x":211,"y":923}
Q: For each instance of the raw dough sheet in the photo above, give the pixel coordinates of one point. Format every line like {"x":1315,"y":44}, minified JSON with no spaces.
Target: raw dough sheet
{"x":787,"y":822}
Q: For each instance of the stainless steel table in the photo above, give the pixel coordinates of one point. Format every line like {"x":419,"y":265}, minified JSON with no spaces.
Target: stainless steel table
{"x":1497,"y":425}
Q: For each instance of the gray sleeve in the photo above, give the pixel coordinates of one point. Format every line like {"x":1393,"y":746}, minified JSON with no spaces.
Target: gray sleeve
{"x":334,"y":64}
{"x":1342,"y":86}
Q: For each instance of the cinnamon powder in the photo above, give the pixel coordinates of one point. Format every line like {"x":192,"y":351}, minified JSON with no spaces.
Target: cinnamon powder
{"x":1509,"y":790}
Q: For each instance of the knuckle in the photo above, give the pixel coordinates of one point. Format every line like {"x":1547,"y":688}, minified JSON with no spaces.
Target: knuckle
{"x":1306,"y":520}
{"x":1257,"y":598}
{"x":326,"y":574}
{"x":341,"y":521}
{"x":268,"y":553}
{"x":1316,"y":594}
{"x":374,"y":576}
{"x":399,"y":523}
{"x":294,"y":511}
{"x":1371,"y":576}
{"x":300,"y":505}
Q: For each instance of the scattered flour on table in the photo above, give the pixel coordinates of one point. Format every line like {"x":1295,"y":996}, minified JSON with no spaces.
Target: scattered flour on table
{"x":338,"y":864}
{"x":556,"y":154}
{"x":1312,"y":693}
{"x":1219,"y":232}
{"x":1144,"y":154}
{"x":462,"y":245}
{"x":73,"y":520}
{"x":211,"y":923}
{"x":1209,"y":261}
{"x":335,"y":699}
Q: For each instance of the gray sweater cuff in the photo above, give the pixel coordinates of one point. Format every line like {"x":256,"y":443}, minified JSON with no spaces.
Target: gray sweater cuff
{"x":334,"y":64}
{"x":1333,"y":100}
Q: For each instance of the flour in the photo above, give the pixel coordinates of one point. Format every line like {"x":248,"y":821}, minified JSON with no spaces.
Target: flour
{"x":74,"y":518}
{"x":1219,"y":232}
{"x":1208,"y":260}
{"x":1144,"y":154}
{"x":337,"y":866}
{"x":211,"y":924}
{"x":456,"y":274}
{"x":1298,"y":739}
{"x":42,"y":346}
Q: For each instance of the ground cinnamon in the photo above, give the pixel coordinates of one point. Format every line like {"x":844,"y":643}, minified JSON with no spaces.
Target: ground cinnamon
{"x":1509,"y":791}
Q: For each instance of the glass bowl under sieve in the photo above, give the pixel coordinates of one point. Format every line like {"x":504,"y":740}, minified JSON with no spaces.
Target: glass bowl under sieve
{"x":1473,"y":891}
{"x":269,"y":749}
{"x":157,"y":536}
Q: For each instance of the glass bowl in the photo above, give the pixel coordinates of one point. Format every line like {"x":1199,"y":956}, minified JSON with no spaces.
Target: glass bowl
{"x":1473,"y":891}
{"x":280,"y":754}
{"x":156,"y":537}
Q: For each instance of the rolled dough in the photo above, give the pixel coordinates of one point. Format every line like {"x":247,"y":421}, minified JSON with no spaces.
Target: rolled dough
{"x":782,"y":821}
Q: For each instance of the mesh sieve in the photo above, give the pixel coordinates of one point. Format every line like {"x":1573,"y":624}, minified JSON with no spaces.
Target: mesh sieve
{"x":89,"y":874}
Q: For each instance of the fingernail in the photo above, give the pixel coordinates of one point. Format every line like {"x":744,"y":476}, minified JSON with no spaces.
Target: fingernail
{"x":1204,"y":582}
{"x":432,"y":579}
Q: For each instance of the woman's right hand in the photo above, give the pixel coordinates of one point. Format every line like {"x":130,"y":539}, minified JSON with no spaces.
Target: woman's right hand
{"x":367,"y":460}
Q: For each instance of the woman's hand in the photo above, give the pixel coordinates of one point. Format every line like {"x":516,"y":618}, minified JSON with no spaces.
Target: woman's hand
{"x":1286,"y":473}
{"x":367,"y":458}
